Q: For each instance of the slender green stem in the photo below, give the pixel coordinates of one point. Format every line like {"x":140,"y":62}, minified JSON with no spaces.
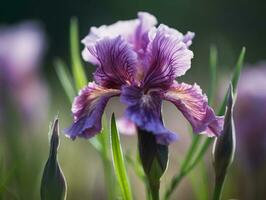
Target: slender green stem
{"x":148,"y":191}
{"x":219,"y":182}
{"x":154,"y":189}
{"x":175,"y":181}
{"x":109,"y":178}
{"x":199,"y":156}
{"x":191,"y":151}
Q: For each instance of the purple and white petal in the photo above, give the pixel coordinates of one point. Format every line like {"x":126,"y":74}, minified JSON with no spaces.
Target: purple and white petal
{"x":126,"y":126}
{"x":132,"y":31}
{"x":167,"y":58}
{"x":88,"y":109}
{"x":194,"y":106}
{"x":21,"y":49}
{"x":141,"y":38}
{"x":145,"y":111}
{"x":187,"y":39}
{"x":116,"y":62}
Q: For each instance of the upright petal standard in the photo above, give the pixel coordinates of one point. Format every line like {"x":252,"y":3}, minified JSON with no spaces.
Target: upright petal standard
{"x":140,"y":63}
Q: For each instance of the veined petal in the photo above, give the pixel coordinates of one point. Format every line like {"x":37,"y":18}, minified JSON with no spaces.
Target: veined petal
{"x":88,"y":109}
{"x":145,"y":111}
{"x":194,"y":106}
{"x":167,"y":57}
{"x":141,"y":40}
{"x":130,"y":30}
{"x":117,"y":62}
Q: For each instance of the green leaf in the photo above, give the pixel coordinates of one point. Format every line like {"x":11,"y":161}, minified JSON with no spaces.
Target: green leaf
{"x":53,"y":185}
{"x":238,"y":68}
{"x":104,"y":143}
{"x":234,"y":79}
{"x":77,"y":68}
{"x":65,"y":78}
{"x":213,"y":73}
{"x":118,"y":162}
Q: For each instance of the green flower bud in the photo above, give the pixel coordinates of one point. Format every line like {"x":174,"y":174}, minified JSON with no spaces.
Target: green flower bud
{"x":154,"y":159}
{"x":53,"y":185}
{"x":224,"y":147}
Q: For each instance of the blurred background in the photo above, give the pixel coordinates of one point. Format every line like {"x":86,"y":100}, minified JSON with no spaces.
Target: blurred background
{"x":31,"y":94}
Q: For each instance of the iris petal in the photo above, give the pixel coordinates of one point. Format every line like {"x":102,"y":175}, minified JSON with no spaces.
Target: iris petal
{"x":194,"y":106}
{"x":88,"y":109}
{"x":167,"y":57}
{"x":133,"y":31}
{"x":117,"y":62}
{"x":145,"y":111}
{"x":126,"y":126}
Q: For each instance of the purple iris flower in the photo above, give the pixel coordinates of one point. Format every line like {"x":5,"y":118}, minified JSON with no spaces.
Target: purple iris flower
{"x":140,"y":62}
{"x":250,"y":116}
{"x":21,"y":51}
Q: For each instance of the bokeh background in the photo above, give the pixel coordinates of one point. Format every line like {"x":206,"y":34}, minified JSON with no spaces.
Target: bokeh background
{"x":228,"y":25}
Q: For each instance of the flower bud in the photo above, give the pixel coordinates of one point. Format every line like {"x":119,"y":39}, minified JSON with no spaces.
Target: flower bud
{"x":224,"y":145}
{"x":53,"y":185}
{"x":154,"y":158}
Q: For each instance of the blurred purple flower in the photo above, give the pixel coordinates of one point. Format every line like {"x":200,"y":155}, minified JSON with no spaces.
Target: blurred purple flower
{"x":250,"y":116}
{"x":140,"y":63}
{"x":21,"y":51}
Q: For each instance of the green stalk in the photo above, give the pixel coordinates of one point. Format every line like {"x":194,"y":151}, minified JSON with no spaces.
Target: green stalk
{"x":219,"y":183}
{"x":213,"y":72}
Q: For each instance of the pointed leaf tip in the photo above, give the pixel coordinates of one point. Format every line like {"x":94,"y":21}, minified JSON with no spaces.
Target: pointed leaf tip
{"x":224,"y":147}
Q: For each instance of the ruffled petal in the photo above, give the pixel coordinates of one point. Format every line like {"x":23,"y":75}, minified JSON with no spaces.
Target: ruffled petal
{"x":117,"y":62}
{"x":187,"y":39}
{"x":132,"y":31}
{"x":145,"y":111}
{"x":126,"y":126}
{"x":194,"y":106}
{"x":88,"y":109}
{"x":141,"y":39}
{"x":167,"y":57}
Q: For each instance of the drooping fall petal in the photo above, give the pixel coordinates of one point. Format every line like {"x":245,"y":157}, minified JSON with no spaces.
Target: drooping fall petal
{"x":145,"y":111}
{"x":88,"y":109}
{"x":194,"y":106}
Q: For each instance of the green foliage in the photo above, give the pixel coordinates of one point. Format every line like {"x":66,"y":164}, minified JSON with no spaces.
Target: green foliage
{"x":103,"y":142}
{"x":77,"y":68}
{"x":224,"y":147}
{"x":198,"y":151}
{"x":213,"y":72}
{"x":65,"y":79}
{"x":118,"y":162}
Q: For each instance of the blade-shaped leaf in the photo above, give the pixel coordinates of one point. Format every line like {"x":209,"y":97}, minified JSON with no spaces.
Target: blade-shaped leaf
{"x":65,"y":79}
{"x":213,"y":73}
{"x":238,"y":68}
{"x":235,"y":78}
{"x":104,"y":143}
{"x":118,"y":162}
{"x":77,"y":68}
